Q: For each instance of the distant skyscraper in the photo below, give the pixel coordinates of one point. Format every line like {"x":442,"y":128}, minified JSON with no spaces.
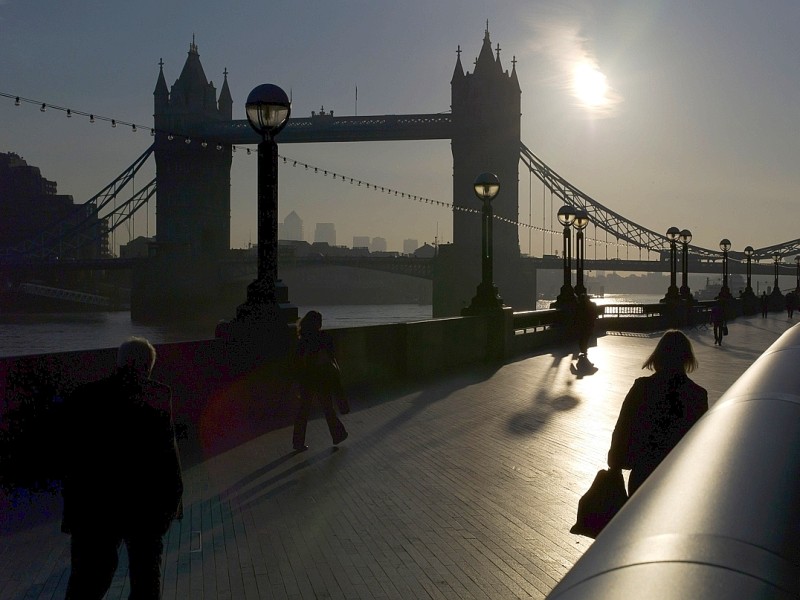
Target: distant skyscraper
{"x":378,"y":245}
{"x":291,"y":228}
{"x":360,"y":241}
{"x":325,"y":232}
{"x":409,"y":246}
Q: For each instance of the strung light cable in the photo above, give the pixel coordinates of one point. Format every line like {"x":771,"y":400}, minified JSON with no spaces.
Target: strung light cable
{"x":18,"y":100}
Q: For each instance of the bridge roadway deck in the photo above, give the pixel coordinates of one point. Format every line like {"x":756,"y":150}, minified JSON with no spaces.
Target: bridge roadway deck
{"x":463,"y":488}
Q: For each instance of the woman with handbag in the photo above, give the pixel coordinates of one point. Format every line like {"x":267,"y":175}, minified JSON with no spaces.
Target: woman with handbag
{"x":316,"y":377}
{"x":658,"y":410}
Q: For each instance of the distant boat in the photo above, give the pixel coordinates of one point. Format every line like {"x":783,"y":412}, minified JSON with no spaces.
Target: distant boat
{"x":713,"y":288}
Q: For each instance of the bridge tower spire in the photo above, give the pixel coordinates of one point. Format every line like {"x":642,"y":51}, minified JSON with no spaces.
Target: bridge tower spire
{"x":193,"y":180}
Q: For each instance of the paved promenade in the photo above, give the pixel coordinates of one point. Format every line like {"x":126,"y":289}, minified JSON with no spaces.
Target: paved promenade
{"x":463,"y":488}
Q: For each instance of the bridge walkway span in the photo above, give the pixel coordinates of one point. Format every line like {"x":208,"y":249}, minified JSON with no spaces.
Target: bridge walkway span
{"x":464,"y":486}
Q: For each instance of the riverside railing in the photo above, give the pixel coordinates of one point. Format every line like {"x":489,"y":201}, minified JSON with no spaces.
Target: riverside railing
{"x":719,"y":517}
{"x":639,"y":317}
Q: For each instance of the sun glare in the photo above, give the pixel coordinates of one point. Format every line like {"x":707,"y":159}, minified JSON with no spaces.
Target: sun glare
{"x":589,"y":85}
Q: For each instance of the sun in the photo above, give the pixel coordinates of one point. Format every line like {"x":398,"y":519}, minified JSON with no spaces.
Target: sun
{"x":589,"y":85}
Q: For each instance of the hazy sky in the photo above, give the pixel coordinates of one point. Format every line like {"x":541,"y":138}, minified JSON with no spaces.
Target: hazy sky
{"x":697,"y":126}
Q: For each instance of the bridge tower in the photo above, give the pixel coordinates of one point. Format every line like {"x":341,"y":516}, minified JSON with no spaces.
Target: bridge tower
{"x":193,"y":205}
{"x":485,"y":137}
{"x":193,"y":181}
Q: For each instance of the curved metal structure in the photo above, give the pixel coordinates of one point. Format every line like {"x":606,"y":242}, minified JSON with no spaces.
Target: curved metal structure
{"x":614,"y":223}
{"x":718,"y":518}
{"x":625,"y":229}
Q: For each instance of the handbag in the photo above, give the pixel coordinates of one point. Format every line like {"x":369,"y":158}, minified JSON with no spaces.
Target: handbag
{"x":724,"y":330}
{"x":600,"y":503}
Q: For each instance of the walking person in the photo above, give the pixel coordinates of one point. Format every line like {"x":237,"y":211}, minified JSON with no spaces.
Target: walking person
{"x":791,"y":303}
{"x":764,"y":305}
{"x":122,"y":479}
{"x":317,"y":378}
{"x":658,"y":410}
{"x":718,"y":320}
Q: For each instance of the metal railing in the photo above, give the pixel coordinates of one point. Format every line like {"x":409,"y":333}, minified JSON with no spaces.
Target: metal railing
{"x":719,"y":517}
{"x":531,"y":321}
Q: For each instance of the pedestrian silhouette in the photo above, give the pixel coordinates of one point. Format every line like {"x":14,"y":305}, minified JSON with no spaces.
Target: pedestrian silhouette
{"x":316,"y":377}
{"x":764,"y":304}
{"x":791,"y":303}
{"x":658,"y":410}
{"x":718,"y":321}
{"x":122,"y":480}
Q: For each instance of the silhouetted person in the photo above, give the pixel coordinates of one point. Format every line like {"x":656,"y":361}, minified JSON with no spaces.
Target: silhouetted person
{"x":658,"y":410}
{"x":791,"y":303}
{"x":718,"y":321}
{"x":316,"y":377}
{"x":123,"y":479}
{"x":764,"y":304}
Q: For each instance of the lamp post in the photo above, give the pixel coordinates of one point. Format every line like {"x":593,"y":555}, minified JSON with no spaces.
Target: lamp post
{"x":487,"y":299}
{"x":268,"y":109}
{"x":579,"y":223}
{"x":685,"y":237}
{"x":775,"y":288}
{"x":672,"y":291}
{"x":797,"y":273}
{"x":748,"y":252}
{"x":725,"y":245}
{"x":566,"y":297}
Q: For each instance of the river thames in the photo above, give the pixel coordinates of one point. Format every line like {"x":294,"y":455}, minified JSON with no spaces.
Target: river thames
{"x":23,"y":334}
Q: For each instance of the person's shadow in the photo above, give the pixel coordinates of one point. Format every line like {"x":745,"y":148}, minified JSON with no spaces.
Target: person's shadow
{"x":583,"y":367}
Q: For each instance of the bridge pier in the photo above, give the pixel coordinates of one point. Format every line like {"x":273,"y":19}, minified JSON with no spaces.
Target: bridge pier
{"x":455,"y":277}
{"x":175,"y":286}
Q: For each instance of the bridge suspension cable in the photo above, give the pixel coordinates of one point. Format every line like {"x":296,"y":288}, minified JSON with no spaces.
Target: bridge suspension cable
{"x":608,"y":220}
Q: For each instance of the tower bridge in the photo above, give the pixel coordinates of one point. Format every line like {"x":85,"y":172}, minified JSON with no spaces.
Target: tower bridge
{"x":193,"y":189}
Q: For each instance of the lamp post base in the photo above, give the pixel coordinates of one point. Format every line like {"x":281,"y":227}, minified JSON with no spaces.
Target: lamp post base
{"x":487,"y":300}
{"x":266,"y":316}
{"x":776,"y":299}
{"x":749,"y":301}
{"x":566,"y":298}
{"x":672,"y":296}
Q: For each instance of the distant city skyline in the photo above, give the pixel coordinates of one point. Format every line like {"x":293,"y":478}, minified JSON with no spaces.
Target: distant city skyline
{"x":670,"y":114}
{"x":292,"y":228}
